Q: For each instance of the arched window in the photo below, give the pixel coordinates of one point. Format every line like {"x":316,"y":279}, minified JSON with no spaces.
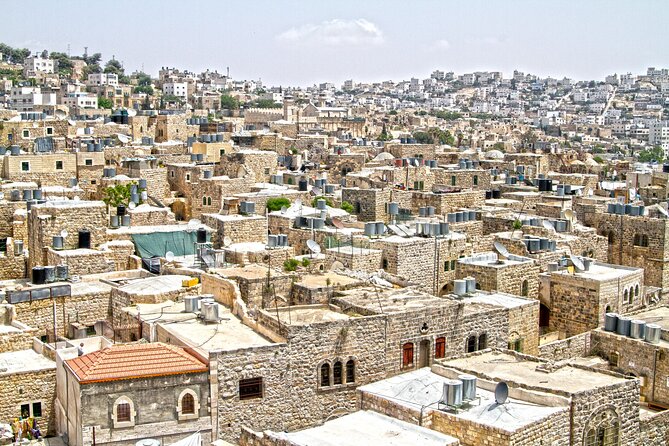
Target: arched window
{"x":476,"y":180}
{"x":603,"y":429}
{"x":204,"y":201}
{"x":625,"y":297}
{"x":350,"y":371}
{"x":208,"y":201}
{"x":636,"y":290}
{"x":325,"y":375}
{"x":337,"y":373}
{"x":440,"y":347}
{"x":471,"y":344}
{"x":188,"y":404}
{"x":524,"y":289}
{"x":483,"y":341}
{"x":453,"y":180}
{"x":123,"y":412}
{"x":407,"y":354}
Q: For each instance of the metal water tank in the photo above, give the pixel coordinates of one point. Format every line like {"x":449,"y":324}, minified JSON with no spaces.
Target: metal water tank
{"x":27,"y":194}
{"x":637,"y":329}
{"x":37,"y":194}
{"x":430,"y":211}
{"x":444,"y":228}
{"x":318,"y":223}
{"x":38,"y":275}
{"x":62,"y":272}
{"x":208,"y":173}
{"x":623,"y":327}
{"x":460,"y":287}
{"x":533,"y":245}
{"x":451,"y":218}
{"x":422,"y":212}
{"x":543,"y":244}
{"x":191,"y":304}
{"x":468,"y":387}
{"x":560,"y":226}
{"x":141,"y":182}
{"x":50,"y":274}
{"x":57,"y":242}
{"x":272,"y":241}
{"x":453,"y":391}
{"x":653,"y":333}
{"x":471,"y":284}
{"x":209,"y":311}
{"x":393,"y":208}
{"x":15,"y":195}
{"x":201,"y":235}
{"x":472,"y":215}
{"x":610,"y":322}
{"x":321,"y":204}
{"x":380,"y":228}
{"x":125,"y":220}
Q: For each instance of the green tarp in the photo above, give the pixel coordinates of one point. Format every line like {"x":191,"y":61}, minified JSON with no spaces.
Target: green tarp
{"x":156,"y":244}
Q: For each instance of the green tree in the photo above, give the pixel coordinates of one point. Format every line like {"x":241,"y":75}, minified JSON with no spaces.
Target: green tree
{"x":148,"y":89}
{"x":265,"y":103}
{"x":348,"y":207}
{"x":229,"y":102}
{"x":105,"y":103}
{"x":423,"y":137}
{"x":113,"y":66}
{"x":143,"y":79}
{"x":275,"y":204}
{"x":63,"y":63}
{"x":652,"y":154}
{"x":117,"y":195}
{"x":290,"y":264}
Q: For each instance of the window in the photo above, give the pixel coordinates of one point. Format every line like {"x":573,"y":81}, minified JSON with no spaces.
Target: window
{"x":350,"y":371}
{"x":636,"y":290}
{"x":123,"y":412}
{"x":337,"y":373}
{"x":524,"y":289}
{"x":59,"y":165}
{"x":483,"y":341}
{"x":447,"y":265}
{"x":26,"y":133}
{"x":476,"y":180}
{"x":172,"y":173}
{"x":453,"y":180}
{"x":603,"y":429}
{"x":33,"y":409}
{"x":250,"y":388}
{"x":188,"y":404}
{"x":49,"y":130}
{"x":452,"y":265}
{"x":25,"y":166}
{"x":407,"y":354}
{"x":325,"y":375}
{"x":641,"y":240}
{"x":187,"y":177}
{"x":204,"y":201}
{"x":516,"y":345}
{"x":626,"y":297}
{"x":471,"y":344}
{"x":266,"y":170}
{"x":88,"y":162}
{"x":222,"y":152}
{"x":440,"y":347}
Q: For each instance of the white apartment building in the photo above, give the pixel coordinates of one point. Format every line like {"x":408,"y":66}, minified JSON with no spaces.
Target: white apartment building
{"x":80,"y":99}
{"x":178,"y":89}
{"x":96,"y":79}
{"x":27,"y":98}
{"x":34,"y":65}
{"x":580,"y":96}
{"x":658,"y":134}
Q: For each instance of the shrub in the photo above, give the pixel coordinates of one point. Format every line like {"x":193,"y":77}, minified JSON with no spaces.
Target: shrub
{"x":306,"y":262}
{"x":348,"y":207}
{"x":275,"y":204}
{"x":290,"y":264}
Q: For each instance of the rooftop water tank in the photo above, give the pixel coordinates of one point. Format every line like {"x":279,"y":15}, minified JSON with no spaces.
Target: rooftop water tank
{"x":453,"y":392}
{"x":460,"y":287}
{"x":653,"y":333}
{"x":468,"y":387}
{"x":637,"y":329}
{"x":623,"y":327}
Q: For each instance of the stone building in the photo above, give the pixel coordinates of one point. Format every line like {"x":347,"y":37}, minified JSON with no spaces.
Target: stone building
{"x":600,"y":289}
{"x":46,"y":169}
{"x":514,"y":274}
{"x":258,"y":164}
{"x":160,"y":390}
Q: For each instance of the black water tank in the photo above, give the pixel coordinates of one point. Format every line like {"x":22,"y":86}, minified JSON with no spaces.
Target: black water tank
{"x":496,"y":193}
{"x":39,"y":275}
{"x":488,"y":194}
{"x":120,"y":210}
{"x":202,"y":235}
{"x":665,"y":168}
{"x":303,"y":185}
{"x":84,"y":239}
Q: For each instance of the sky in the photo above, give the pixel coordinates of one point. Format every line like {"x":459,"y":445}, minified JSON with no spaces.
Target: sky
{"x":308,"y":42}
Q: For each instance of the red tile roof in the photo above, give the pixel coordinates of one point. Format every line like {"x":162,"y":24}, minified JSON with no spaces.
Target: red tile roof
{"x":128,"y":361}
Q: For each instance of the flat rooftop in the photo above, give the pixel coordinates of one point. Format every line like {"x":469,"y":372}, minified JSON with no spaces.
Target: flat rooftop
{"x":601,"y":272}
{"x":491,"y":259}
{"x":316,"y":281}
{"x":421,"y":389}
{"x":252,"y":271}
{"x":496,"y":299}
{"x":154,"y":285}
{"x":228,"y":334}
{"x":379,"y":301}
{"x":24,"y":361}
{"x":370,"y":429}
{"x":658,"y":316}
{"x":307,"y":314}
{"x":498,"y":366}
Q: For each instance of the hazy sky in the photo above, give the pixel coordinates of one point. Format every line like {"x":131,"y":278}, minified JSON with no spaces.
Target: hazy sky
{"x":306,"y":42}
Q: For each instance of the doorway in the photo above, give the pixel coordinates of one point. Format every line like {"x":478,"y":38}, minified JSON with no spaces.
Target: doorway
{"x":424,"y":353}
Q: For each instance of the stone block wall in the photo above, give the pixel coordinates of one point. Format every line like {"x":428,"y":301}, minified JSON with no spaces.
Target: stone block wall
{"x":80,"y":261}
{"x":478,"y":179}
{"x":425,"y":151}
{"x":42,"y":168}
{"x":27,"y":387}
{"x":240,"y":229}
{"x":368,"y":204}
{"x":573,"y":347}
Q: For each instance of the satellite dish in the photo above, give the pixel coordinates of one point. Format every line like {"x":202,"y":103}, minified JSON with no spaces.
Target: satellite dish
{"x":72,"y":123}
{"x":132,"y":205}
{"x":313,"y":246}
{"x":578,"y":264}
{"x":132,"y":112}
{"x":336,"y":265}
{"x":548,"y":225}
{"x":169,"y":256}
{"x":123,"y":138}
{"x":337,"y":223}
{"x":60,"y":114}
{"x":64,"y":233}
{"x":227,"y":241}
{"x":316,"y":190}
{"x":501,"y":249}
{"x":283,"y":209}
{"x":501,"y":392}
{"x":569,"y":215}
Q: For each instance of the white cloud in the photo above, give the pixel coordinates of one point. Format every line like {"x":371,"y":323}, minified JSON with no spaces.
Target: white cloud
{"x":335,"y":33}
{"x":441,"y":44}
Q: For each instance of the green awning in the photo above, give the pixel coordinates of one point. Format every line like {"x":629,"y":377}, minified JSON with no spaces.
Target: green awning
{"x":156,"y":244}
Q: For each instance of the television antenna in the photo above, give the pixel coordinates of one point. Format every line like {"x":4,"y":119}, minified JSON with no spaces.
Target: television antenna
{"x":501,"y":392}
{"x":578,"y":264}
{"x":314,"y":247}
{"x":501,"y":249}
